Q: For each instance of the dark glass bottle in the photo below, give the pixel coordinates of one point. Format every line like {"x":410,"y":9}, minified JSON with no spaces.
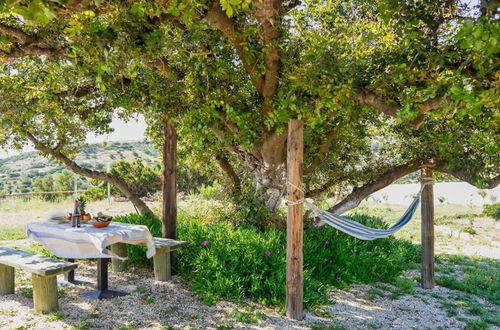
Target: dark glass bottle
{"x":75,"y":217}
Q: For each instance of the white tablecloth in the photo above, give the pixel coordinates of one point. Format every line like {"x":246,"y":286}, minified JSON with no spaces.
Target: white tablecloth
{"x":87,"y":241}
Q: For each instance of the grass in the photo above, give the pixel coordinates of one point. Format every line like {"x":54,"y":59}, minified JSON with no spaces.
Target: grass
{"x":18,"y":205}
{"x":478,"y":276}
{"x":12,"y":233}
{"x":56,"y":316}
{"x":8,"y":312}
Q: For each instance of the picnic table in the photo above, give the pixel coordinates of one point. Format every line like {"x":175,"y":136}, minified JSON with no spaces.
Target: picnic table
{"x":84,"y":242}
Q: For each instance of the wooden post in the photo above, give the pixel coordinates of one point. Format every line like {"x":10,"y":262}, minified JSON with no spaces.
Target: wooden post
{"x":427,"y":209}
{"x":162,"y":264}
{"x":295,"y":226}
{"x":45,"y":293}
{"x":6,"y":279}
{"x":169,"y":185}
{"x":120,"y":249}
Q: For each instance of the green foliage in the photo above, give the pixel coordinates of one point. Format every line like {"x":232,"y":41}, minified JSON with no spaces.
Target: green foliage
{"x":95,"y":194}
{"x":137,"y":253}
{"x":236,"y":262}
{"x":64,"y":181}
{"x":492,"y":210}
{"x":213,"y":191}
{"x":483,"y":281}
{"x":8,"y":233}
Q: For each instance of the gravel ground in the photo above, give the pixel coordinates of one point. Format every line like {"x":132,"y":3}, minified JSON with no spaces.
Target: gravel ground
{"x":169,"y":305}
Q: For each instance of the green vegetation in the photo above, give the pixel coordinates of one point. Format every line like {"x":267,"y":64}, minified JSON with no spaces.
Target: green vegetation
{"x":235,"y":262}
{"x":8,"y":233}
{"x":482,"y":280}
{"x":492,"y":210}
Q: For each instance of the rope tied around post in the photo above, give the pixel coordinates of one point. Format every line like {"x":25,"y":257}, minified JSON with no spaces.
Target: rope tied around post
{"x":299,"y":201}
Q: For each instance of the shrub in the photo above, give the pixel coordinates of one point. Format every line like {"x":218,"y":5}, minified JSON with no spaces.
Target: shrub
{"x":492,"y":210}
{"x":223,"y":260}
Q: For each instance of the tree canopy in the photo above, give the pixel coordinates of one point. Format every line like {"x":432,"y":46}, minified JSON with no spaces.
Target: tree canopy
{"x":383,"y":87}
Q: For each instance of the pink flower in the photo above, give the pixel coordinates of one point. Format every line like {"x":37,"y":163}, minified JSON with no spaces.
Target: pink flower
{"x":268,"y":253}
{"x":204,"y":243}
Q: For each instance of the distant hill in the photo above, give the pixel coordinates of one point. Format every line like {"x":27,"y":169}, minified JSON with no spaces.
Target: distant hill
{"x":18,"y":172}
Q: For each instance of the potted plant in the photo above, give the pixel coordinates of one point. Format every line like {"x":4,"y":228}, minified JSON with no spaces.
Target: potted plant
{"x":82,"y":203}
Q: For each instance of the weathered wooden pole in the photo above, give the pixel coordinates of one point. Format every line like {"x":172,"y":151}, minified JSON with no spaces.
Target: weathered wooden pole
{"x":427,"y":211}
{"x":169,"y":184}
{"x":295,"y":226}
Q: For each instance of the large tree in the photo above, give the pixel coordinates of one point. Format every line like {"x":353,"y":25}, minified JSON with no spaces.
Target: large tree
{"x":379,"y":84}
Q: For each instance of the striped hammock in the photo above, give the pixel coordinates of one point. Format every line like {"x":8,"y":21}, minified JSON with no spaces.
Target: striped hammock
{"x":360,"y":231}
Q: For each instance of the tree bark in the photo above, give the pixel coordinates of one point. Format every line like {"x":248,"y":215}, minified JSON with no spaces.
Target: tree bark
{"x":169,"y":181}
{"x":93,"y":174}
{"x":359,"y":193}
{"x":427,"y":209}
{"x":229,"y":170}
{"x":169,"y":187}
{"x":295,"y":225}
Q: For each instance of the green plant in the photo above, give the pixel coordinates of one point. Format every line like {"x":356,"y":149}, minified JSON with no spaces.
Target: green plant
{"x":246,"y":317}
{"x":213,"y":191}
{"x":56,"y":316}
{"x":26,"y":291}
{"x":477,"y":325}
{"x":482,"y":280}
{"x":242,"y":261}
{"x":82,"y":204}
{"x":492,"y":210}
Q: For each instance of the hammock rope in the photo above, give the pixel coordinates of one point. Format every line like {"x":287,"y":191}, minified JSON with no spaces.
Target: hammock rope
{"x":356,"y":229}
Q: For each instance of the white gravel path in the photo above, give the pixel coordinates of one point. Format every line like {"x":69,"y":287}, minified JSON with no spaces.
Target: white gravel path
{"x":170,"y":305}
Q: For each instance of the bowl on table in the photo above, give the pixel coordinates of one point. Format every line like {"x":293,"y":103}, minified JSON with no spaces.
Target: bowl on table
{"x":101,"y":221}
{"x":101,"y":224}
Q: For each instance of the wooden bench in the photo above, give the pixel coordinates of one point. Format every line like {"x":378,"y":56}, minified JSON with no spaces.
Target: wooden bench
{"x":161,"y":259}
{"x":43,"y":270}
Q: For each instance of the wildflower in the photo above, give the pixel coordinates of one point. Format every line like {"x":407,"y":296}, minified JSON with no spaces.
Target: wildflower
{"x":327,"y":242}
{"x":204,"y":243}
{"x":492,"y":278}
{"x":268,"y":253}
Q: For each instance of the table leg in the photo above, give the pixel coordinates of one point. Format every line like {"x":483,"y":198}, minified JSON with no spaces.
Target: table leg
{"x":102,"y":291}
{"x":70,"y":276}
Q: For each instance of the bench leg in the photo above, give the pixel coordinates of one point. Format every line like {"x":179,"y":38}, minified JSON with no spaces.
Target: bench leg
{"x":45,"y":293}
{"x":119,"y":249}
{"x":6,"y":279}
{"x":161,"y":262}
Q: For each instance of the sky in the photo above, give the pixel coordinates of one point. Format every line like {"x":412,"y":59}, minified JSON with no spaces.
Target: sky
{"x":133,"y":130}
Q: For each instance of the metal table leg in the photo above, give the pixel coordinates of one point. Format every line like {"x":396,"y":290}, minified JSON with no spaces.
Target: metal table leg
{"x":102,"y":291}
{"x":70,"y":276}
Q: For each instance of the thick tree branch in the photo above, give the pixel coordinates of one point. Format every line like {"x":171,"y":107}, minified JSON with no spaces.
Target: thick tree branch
{"x":27,"y":45}
{"x":73,"y":166}
{"x":370,"y":98}
{"x":267,"y":13}
{"x":219,"y":19}
{"x":229,"y":170}
{"x":468,"y":177}
{"x":359,"y":193}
